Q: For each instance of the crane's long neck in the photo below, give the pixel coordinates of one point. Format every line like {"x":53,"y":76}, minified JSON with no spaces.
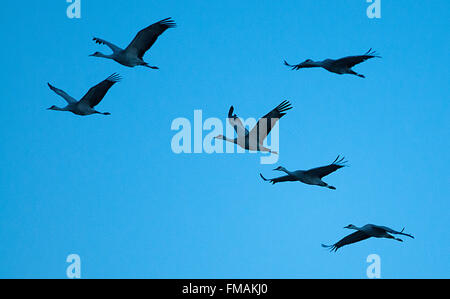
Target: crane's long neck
{"x":59,"y":108}
{"x":229,"y":139}
{"x":315,"y":64}
{"x":288,"y":172}
{"x":101,"y":55}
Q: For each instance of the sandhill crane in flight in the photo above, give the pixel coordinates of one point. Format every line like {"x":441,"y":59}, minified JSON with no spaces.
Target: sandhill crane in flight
{"x":309,"y":177}
{"x":254,"y":139}
{"x":339,"y":66}
{"x":366,"y":232}
{"x":133,"y":55}
{"x":92,"y":98}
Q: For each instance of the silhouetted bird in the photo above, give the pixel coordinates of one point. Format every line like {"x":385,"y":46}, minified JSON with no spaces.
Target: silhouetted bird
{"x":254,"y":139}
{"x":93,"y":97}
{"x":310,"y":177}
{"x":366,"y":232}
{"x":338,"y":66}
{"x":133,"y":55}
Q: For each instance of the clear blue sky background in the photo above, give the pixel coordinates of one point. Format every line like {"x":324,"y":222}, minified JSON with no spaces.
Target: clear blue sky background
{"x":111,"y":190}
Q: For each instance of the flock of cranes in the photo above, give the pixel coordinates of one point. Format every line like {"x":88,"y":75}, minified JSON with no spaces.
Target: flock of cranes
{"x":133,"y":55}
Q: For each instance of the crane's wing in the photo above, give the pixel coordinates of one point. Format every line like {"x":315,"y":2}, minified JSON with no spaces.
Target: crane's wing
{"x":286,"y":178}
{"x":96,"y":94}
{"x":145,"y":39}
{"x":62,"y":94}
{"x":392,"y":231}
{"x":113,"y":47}
{"x":351,"y":61}
{"x":267,"y":122}
{"x":350,"y":239}
{"x":321,"y":172}
{"x":236,"y":123}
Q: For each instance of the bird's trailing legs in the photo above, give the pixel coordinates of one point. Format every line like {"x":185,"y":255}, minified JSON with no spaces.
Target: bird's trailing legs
{"x":151,"y":67}
{"x":392,"y":237}
{"x":356,"y":74}
{"x":103,"y":113}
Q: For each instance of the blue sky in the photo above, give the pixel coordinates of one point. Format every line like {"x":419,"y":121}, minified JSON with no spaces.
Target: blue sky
{"x":111,"y":190}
